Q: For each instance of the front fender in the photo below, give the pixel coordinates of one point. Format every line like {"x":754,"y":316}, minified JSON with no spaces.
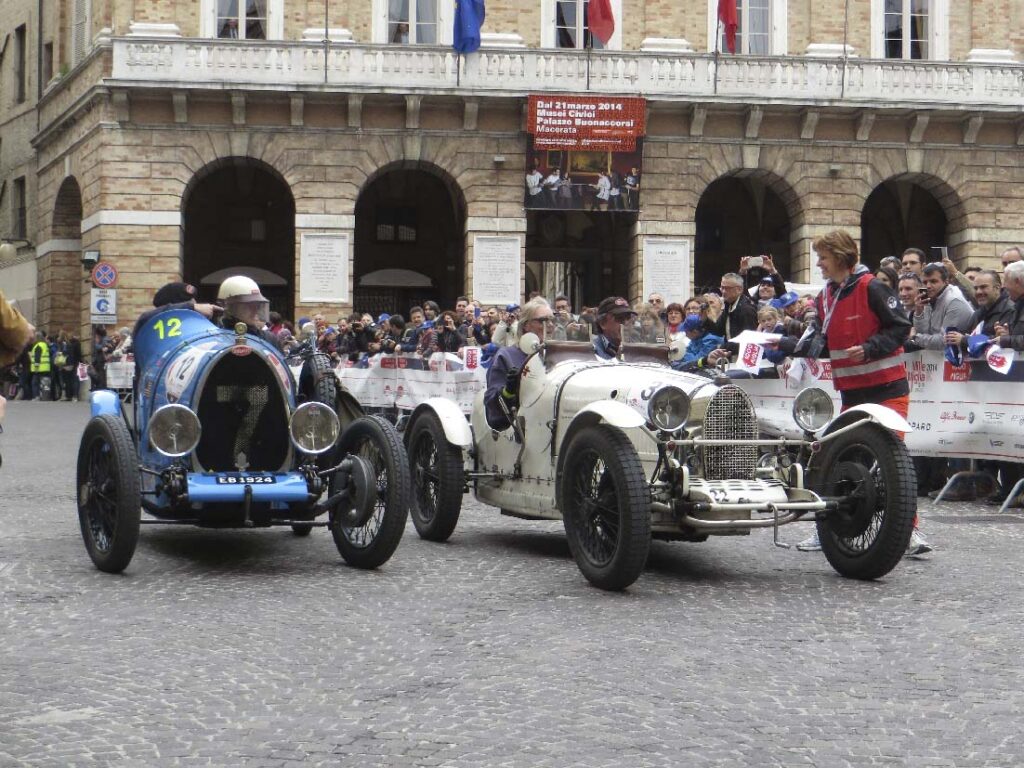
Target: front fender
{"x":453,"y":420}
{"x":104,"y":401}
{"x":614,"y":413}
{"x":878,"y":414}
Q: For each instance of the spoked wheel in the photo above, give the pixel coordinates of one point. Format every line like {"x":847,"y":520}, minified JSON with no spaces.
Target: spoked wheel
{"x":371,"y":544}
{"x":109,"y":506}
{"x":606,"y":507}
{"x":871,"y":474}
{"x":436,"y":468}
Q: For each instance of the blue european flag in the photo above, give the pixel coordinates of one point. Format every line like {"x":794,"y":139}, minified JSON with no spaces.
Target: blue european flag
{"x":469,"y":17}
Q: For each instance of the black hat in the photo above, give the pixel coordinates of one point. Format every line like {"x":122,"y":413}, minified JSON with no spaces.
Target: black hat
{"x":174,"y":293}
{"x":615,"y":306}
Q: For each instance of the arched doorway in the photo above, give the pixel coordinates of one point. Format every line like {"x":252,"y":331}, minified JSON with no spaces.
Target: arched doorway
{"x":897,"y":215}
{"x":740,"y":216}
{"x":60,"y":271}
{"x":239,"y":218}
{"x":409,"y":240}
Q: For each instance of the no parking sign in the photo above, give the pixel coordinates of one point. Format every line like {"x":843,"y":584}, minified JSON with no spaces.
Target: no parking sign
{"x":103,"y":306}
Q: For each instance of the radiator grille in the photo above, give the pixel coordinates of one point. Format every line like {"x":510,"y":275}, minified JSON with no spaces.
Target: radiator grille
{"x":730,"y":415}
{"x":242,"y":410}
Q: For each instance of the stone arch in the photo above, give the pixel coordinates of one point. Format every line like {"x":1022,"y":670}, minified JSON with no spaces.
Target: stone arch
{"x":409,"y":215}
{"x":910,"y":209}
{"x":741,"y":213}
{"x":60,"y":285}
{"x":238,"y":213}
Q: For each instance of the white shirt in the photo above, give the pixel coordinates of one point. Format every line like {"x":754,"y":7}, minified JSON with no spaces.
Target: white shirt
{"x":533,"y":181}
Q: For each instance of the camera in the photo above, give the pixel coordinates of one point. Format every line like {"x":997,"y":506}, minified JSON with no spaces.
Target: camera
{"x":704,"y":306}
{"x":941,"y":252}
{"x":755,"y":261}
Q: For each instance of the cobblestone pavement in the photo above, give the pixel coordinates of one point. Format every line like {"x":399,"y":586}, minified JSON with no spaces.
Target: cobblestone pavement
{"x":257,"y":648}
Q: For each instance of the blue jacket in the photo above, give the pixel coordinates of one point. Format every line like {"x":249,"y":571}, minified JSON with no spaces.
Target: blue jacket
{"x":698,"y":349}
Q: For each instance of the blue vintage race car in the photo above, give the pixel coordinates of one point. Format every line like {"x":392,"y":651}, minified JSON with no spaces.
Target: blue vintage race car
{"x":223,"y":434}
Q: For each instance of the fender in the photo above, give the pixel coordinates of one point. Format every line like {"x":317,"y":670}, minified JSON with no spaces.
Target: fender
{"x":104,"y":401}
{"x":879,"y":414}
{"x":453,"y":421}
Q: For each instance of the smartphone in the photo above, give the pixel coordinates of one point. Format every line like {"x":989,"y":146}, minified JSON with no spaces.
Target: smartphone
{"x":476,"y":312}
{"x":941,"y":252}
{"x":755,"y":261}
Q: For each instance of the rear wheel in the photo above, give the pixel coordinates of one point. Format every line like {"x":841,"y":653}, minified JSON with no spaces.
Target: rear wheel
{"x":606,"y":507}
{"x":109,"y":500}
{"x":371,"y":544}
{"x":436,"y":467}
{"x":871,"y":473}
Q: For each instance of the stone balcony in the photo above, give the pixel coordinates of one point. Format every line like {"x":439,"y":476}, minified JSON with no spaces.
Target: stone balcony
{"x":195,"y":64}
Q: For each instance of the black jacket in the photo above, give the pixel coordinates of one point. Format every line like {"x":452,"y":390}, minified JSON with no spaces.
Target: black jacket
{"x":1001,"y":312}
{"x":1016,"y":338}
{"x":741,"y":316}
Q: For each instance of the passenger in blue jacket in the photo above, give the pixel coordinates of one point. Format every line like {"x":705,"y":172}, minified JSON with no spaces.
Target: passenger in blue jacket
{"x":702,"y":344}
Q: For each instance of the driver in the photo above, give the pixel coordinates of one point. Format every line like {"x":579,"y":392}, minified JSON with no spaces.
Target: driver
{"x":503,"y":377}
{"x":244,"y":303}
{"x":611,"y":314}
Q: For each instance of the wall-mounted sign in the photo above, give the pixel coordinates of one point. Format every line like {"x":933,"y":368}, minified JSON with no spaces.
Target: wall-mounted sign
{"x":104,"y":275}
{"x":667,"y":268}
{"x":324,"y":268}
{"x":103,"y":306}
{"x":496,"y":269}
{"x":609,"y":123}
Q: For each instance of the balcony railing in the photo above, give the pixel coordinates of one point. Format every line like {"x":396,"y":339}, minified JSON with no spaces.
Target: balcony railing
{"x":192,"y":63}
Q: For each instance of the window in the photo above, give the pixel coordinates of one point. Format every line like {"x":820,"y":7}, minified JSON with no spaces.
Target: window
{"x":396,"y":224}
{"x":18,"y":210}
{"x":47,"y":63}
{"x":906,"y":29}
{"x":572,"y":27}
{"x":412,"y":21}
{"x":242,"y":19}
{"x":753,"y":32}
{"x":20,"y":60}
{"x":762,"y":28}
{"x":913,"y":30}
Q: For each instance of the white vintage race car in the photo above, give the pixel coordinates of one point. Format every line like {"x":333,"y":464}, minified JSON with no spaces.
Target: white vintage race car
{"x":628,"y":450}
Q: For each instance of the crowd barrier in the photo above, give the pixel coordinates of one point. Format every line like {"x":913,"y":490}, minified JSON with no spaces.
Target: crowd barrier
{"x":967,"y":411}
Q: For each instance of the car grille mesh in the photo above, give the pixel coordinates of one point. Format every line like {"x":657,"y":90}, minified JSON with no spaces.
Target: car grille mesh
{"x":242,"y":411}
{"x":730,"y":416}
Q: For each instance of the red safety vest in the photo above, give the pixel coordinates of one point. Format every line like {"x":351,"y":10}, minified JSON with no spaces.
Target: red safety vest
{"x":851,"y":324}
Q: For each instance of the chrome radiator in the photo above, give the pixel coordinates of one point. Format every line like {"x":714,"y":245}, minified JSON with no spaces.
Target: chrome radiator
{"x":730,"y":416}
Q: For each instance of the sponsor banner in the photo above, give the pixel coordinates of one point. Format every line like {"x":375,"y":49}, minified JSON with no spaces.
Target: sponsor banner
{"x":968,"y":411}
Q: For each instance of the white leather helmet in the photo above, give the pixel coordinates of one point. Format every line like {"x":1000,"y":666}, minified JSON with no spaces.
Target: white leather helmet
{"x":243,"y":299}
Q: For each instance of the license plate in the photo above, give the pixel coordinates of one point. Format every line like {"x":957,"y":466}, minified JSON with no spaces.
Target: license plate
{"x":245,"y":479}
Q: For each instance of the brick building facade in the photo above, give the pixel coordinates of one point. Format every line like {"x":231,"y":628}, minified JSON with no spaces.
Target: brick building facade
{"x":178,"y":142}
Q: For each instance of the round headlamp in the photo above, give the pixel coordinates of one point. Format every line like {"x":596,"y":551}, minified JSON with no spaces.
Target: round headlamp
{"x":174,"y":430}
{"x":813,"y":409}
{"x":669,"y":408}
{"x":314,"y":428}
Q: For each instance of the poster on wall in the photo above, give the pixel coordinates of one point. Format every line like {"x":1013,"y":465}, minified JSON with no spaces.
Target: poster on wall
{"x":324,"y":268}
{"x":667,"y":268}
{"x":584,"y":153}
{"x":496,"y":269}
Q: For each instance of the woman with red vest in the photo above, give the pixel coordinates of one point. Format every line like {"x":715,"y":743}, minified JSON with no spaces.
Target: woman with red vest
{"x":861,"y":329}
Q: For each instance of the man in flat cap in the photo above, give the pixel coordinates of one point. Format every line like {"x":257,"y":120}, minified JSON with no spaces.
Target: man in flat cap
{"x":611,"y":314}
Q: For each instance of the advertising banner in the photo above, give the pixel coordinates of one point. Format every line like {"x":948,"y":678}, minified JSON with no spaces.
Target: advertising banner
{"x":584,"y":153}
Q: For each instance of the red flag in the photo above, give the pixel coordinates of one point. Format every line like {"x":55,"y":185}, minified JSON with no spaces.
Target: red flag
{"x":727,"y":15}
{"x":601,"y":20}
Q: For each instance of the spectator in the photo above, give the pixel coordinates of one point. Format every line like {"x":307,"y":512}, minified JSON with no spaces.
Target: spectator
{"x":448,"y":338}
{"x":913,"y":260}
{"x":910,"y":285}
{"x":73,"y":357}
{"x":765,"y":292}
{"x":123,"y":348}
{"x":893,"y":262}
{"x":651,"y":328}
{"x":960,"y":280}
{"x":657,"y":302}
{"x":792,"y":309}
{"x":534,"y":188}
{"x":971,"y":273}
{"x":101,"y":345}
{"x":740,"y":313}
{"x":994,"y":308}
{"x":1010,"y":335}
{"x":700,"y":352}
{"x":674,"y":315}
{"x":39,"y":364}
{"x":889,"y":276}
{"x":612,"y":313}
{"x":938,"y":308}
{"x":1010,"y":255}
{"x":632,"y":181}
{"x":753,"y":275}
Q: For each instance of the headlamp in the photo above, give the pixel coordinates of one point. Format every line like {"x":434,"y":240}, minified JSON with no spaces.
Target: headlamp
{"x":669,"y":408}
{"x":813,"y":409}
{"x":174,"y":430}
{"x":314,"y":428}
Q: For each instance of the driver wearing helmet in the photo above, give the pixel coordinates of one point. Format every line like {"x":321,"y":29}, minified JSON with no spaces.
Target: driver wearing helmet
{"x":245,"y":303}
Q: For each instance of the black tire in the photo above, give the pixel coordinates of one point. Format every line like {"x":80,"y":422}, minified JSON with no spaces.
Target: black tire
{"x":370,"y":545}
{"x":871,"y":468}
{"x":317,"y":381}
{"x":438,"y":482}
{"x":301,"y":529}
{"x":109,"y":499}
{"x":606,"y":507}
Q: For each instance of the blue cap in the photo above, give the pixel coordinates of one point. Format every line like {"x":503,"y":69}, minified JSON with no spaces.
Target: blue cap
{"x":511,"y":307}
{"x":303,"y":321}
{"x":785,"y":300}
{"x":330,"y":329}
{"x":383,"y":316}
{"x":691,"y":322}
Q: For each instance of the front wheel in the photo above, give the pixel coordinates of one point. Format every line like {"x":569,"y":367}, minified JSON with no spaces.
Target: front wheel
{"x":869,"y":471}
{"x":606,"y":507}
{"x":436,"y":467}
{"x":109,"y":499}
{"x":371,"y":544}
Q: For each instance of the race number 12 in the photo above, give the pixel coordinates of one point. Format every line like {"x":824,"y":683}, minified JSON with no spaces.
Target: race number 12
{"x":173,"y":328}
